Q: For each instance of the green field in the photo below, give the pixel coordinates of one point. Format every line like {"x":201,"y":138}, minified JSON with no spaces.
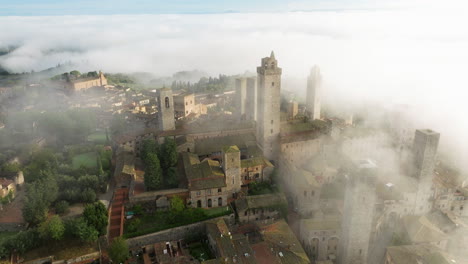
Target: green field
{"x":98,"y":137}
{"x":87,"y":160}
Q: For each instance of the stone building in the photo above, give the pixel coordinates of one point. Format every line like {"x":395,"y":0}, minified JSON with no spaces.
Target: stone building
{"x":260,"y":207}
{"x":420,"y":254}
{"x":206,"y":182}
{"x":251,"y":99}
{"x":83,"y":84}
{"x":184,"y":104}
{"x":7,"y":186}
{"x":166,"y":119}
{"x":232,"y":168}
{"x":358,"y":212}
{"x":425,"y":146}
{"x":293,"y":109}
{"x":314,"y":87}
{"x":240,"y":98}
{"x":268,"y":113}
{"x":320,"y":236}
{"x":255,"y":169}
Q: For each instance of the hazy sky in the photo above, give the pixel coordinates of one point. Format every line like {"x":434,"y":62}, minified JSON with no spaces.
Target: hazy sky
{"x":413,"y":52}
{"x":106,"y":7}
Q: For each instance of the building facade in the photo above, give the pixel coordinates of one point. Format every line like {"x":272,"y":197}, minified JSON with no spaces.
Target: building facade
{"x":358,"y":212}
{"x":425,"y":146}
{"x":268,"y":114}
{"x":165,"y":109}
{"x":314,"y":87}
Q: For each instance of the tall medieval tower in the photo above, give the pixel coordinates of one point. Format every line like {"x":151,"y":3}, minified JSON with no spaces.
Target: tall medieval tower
{"x":232,"y":168}
{"x":268,"y":113}
{"x":314,"y":89}
{"x":165,"y":109}
{"x":425,"y":146}
{"x":358,"y":211}
{"x":241,"y":93}
{"x":251,"y":100}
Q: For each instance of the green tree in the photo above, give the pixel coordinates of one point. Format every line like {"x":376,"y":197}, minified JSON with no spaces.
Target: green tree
{"x":149,"y":146}
{"x":39,"y":196}
{"x":75,"y":73}
{"x":85,"y":232}
{"x":168,"y":153}
{"x":96,"y":216}
{"x":11,"y":167}
{"x":153,"y":173}
{"x":177,"y":204}
{"x":88,"y":181}
{"x":62,"y":207}
{"x":88,"y":195}
{"x":53,"y":228}
{"x":118,"y":250}
{"x":171,"y":179}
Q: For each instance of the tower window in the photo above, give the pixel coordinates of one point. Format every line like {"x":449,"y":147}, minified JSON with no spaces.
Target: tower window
{"x":272,"y":83}
{"x":271,"y":131}
{"x":166,"y":100}
{"x":272,"y":122}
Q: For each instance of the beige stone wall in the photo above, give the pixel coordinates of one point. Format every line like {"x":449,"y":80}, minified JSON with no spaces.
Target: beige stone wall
{"x":184,"y":105}
{"x":202,"y":198}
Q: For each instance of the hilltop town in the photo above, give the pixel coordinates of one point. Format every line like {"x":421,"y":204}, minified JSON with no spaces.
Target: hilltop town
{"x":93,"y":171}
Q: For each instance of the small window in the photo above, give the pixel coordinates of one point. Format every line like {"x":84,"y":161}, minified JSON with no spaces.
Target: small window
{"x":232,"y":160}
{"x":305,"y":193}
{"x":272,"y":83}
{"x":272,"y":121}
{"x":186,"y":103}
{"x":360,"y":251}
{"x":219,"y":190}
{"x":271,"y":131}
{"x":461,"y":208}
{"x":166,"y":100}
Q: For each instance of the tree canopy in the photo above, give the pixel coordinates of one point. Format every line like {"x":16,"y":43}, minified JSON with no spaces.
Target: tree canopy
{"x":118,"y":250}
{"x":153,"y":173}
{"x":53,"y":228}
{"x":96,"y":216}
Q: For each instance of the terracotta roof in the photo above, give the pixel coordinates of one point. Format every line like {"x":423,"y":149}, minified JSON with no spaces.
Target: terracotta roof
{"x":5,"y":182}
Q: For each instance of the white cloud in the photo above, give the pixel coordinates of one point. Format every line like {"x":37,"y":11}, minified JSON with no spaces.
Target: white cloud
{"x":412,"y":55}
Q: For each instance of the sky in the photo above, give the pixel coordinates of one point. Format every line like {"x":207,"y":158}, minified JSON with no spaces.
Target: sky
{"x":388,"y":52}
{"x":112,"y":7}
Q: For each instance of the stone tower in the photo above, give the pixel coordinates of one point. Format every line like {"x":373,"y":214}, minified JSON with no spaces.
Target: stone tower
{"x":425,"y":146}
{"x":268,"y":108}
{"x":166,"y":119}
{"x":251,"y":99}
{"x":358,"y":212}
{"x":241,"y":94}
{"x":314,"y":89}
{"x":232,"y":168}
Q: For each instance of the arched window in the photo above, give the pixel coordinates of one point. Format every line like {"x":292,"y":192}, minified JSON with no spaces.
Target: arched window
{"x":166,"y":100}
{"x":220,"y":201}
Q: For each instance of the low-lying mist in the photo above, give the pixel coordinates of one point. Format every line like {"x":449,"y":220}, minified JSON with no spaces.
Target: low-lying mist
{"x":377,"y":57}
